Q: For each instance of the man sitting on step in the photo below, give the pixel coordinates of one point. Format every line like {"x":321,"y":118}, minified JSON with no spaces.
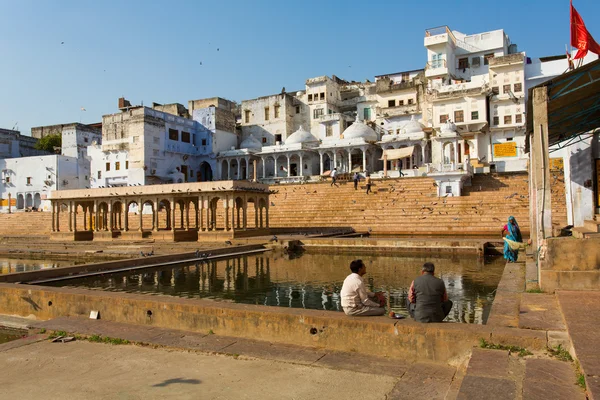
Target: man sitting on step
{"x":427,"y":297}
{"x":356,"y":300}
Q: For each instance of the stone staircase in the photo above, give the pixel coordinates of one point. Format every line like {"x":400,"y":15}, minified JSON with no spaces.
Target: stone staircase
{"x":590,"y":228}
{"x":26,"y":224}
{"x":405,"y":206}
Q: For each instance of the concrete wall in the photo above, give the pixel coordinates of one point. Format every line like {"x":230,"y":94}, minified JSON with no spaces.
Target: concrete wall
{"x":570,"y":264}
{"x":13,"y":144}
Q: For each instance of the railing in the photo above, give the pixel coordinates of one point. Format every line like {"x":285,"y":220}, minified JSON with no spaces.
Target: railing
{"x":440,"y":30}
{"x":450,"y":167}
{"x":436,"y":64}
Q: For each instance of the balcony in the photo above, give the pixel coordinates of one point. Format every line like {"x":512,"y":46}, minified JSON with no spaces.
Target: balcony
{"x":436,"y":68}
{"x":439,"y":35}
{"x":460,"y":90}
{"x":399,"y":110}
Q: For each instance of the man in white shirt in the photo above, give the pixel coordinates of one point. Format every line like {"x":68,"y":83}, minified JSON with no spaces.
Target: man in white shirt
{"x":333,"y":175}
{"x":356,"y":299}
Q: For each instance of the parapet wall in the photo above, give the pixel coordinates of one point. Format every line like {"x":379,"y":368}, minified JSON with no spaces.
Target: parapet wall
{"x":570,"y":264}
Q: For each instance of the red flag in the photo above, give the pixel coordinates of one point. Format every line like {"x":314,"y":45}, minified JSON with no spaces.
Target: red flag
{"x":580,"y":37}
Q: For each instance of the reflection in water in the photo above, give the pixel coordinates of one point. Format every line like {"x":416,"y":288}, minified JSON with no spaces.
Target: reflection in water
{"x":312,"y":281}
{"x":9,"y":266}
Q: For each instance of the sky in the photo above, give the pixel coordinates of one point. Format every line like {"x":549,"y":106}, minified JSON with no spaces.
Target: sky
{"x":59,"y":56}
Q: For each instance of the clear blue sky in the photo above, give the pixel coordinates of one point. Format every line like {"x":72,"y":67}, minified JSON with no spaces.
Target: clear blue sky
{"x":151,"y":50}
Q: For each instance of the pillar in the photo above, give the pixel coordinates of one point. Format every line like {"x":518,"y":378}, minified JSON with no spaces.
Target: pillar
{"x":239,"y":168}
{"x":455,"y":153}
{"x":172,"y":215}
{"x":155,"y":215}
{"x":301,"y":165}
{"x":385,"y":164}
{"x":256,"y":214}
{"x":275,"y":162}
{"x":539,"y":170}
{"x":255,"y":170}
{"x":96,"y":217}
{"x":53,"y":216}
{"x":334,"y":161}
{"x":141,"y":214}
{"x":200,"y":213}
{"x":289,"y":172}
{"x":228,"y":169}
{"x":364,"y":151}
{"x":349,"y":161}
{"x":9,"y":203}
{"x":321,"y":163}
{"x":245,"y":216}
{"x":264,"y":167}
{"x":111,"y":223}
{"x":187,"y":215}
{"x":197,"y":214}
{"x":423,"y":150}
{"x":267,"y":216}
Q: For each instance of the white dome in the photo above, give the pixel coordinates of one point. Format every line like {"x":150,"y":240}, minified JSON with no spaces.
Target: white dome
{"x":449,"y":128}
{"x":301,"y":136}
{"x":413,"y":126}
{"x":251,"y":143}
{"x":360,"y":130}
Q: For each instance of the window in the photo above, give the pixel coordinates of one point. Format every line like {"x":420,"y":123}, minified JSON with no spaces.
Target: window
{"x":7,"y":179}
{"x":405,"y":77}
{"x":126,"y":164}
{"x":317,"y":113}
{"x":297,"y":109}
{"x":276,"y":111}
{"x":155,"y":152}
{"x":203,"y":142}
{"x":85,"y":140}
{"x":443,"y":118}
{"x":518,"y":119}
{"x":400,"y":102}
{"x":509,"y":139}
{"x":474,"y":115}
{"x":117,"y":166}
{"x":486,"y":58}
{"x":496,"y":120}
{"x":173,"y":134}
{"x":518,"y":87}
{"x":391,"y":103}
{"x":463,"y":63}
{"x":367,"y":114}
{"x":29,"y":180}
{"x":505,"y":89}
{"x":185,"y":137}
{"x":264,"y":140}
{"x":507,"y":119}
{"x":437,"y":61}
{"x":266,"y":113}
{"x":459,"y":116}
{"x":278,"y":138}
{"x":246,"y":116}
{"x":495,"y":90}
{"x":108,"y":166}
{"x":475,"y":62}
{"x":328,"y":130}
{"x":322,"y":96}
{"x":310,"y":97}
{"x":410,"y":101}
{"x":99,"y":174}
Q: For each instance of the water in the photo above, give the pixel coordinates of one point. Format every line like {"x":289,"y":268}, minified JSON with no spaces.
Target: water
{"x":311,"y":281}
{"x":11,"y":265}
{"x":7,"y":335}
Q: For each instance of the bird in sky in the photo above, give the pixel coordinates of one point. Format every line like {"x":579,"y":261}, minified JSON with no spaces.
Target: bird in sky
{"x":62,"y":42}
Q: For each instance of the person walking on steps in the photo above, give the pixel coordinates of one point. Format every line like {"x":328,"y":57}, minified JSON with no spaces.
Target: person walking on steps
{"x":368,"y":182}
{"x":334,"y":177}
{"x":356,"y":178}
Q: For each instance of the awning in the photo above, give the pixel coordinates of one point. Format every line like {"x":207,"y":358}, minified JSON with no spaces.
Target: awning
{"x":396,"y":154}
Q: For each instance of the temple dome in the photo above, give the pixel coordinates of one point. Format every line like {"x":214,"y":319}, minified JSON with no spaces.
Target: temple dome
{"x":301,"y":136}
{"x":251,"y":143}
{"x":360,"y":130}
{"x":413,"y":126}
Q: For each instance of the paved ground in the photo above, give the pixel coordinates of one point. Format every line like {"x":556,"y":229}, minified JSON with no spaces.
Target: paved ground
{"x":177,"y":364}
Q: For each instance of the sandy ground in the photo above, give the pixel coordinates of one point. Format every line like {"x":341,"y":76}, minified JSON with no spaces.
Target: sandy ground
{"x":83,"y":370}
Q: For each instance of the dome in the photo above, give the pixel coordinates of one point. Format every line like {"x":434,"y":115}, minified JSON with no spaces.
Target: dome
{"x":251,"y":143}
{"x":360,"y":130}
{"x":301,"y":136}
{"x":413,"y":126}
{"x":449,"y":128}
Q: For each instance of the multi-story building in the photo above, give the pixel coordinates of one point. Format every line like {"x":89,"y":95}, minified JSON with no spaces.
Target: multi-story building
{"x":13,"y":144}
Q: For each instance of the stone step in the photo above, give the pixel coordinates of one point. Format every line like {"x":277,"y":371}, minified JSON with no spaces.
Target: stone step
{"x":592,"y":225}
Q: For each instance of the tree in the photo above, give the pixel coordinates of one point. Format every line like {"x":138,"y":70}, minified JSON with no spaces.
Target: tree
{"x":49,"y":142}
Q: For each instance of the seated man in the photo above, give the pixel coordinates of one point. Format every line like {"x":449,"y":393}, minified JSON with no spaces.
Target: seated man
{"x":427,"y":297}
{"x":356,"y":300}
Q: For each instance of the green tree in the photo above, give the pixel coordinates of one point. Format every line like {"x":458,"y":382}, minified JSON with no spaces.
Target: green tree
{"x":49,"y":142}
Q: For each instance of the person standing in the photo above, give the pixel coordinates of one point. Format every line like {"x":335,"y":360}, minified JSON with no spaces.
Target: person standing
{"x":512,"y":233}
{"x":334,"y":177}
{"x":356,"y":179}
{"x":368,"y":182}
{"x":427,"y":297}
{"x":356,"y":300}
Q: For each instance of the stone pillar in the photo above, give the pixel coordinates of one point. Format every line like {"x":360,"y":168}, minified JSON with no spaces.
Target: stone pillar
{"x":349,"y":161}
{"x":70,"y":216}
{"x":187,"y":215}
{"x":233,"y":217}
{"x":197,"y":214}
{"x":334,"y":161}
{"x":423,"y":150}
{"x":74,"y":216}
{"x":455,"y":153}
{"x":200,"y":213}
{"x":321,"y":163}
{"x":385,"y":164}
{"x":275,"y":174}
{"x":85,"y":221}
{"x":364,"y":151}
{"x":226,"y":205}
{"x":267,"y":216}
{"x":264,"y":167}
{"x":289,"y":171}
{"x":209,"y":219}
{"x":110,"y":226}
{"x":239,"y":168}
{"x":96,"y":216}
{"x":173,"y":215}
{"x":539,"y":170}
{"x":245,"y":216}
{"x":301,"y":165}
{"x":9,"y":203}
{"x":141,"y":214}
{"x":229,"y":169}
{"x":256,"y":211}
{"x":255,"y":170}
{"x":53,"y":215}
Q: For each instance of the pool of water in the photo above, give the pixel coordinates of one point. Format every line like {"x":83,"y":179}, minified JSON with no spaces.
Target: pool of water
{"x":7,"y":335}
{"x":10,"y":265}
{"x":311,"y":281}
